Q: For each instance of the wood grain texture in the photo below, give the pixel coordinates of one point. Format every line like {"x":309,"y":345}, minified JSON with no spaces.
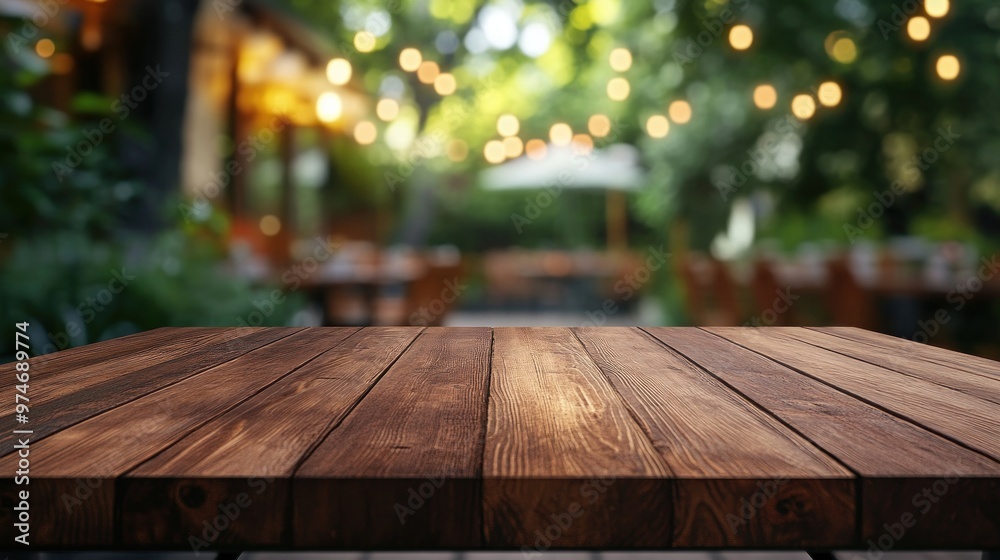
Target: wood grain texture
{"x":565,"y":465}
{"x":963,"y":418}
{"x":917,"y":351}
{"x":980,"y":386}
{"x":725,"y":452}
{"x":264,"y":438}
{"x":104,"y":447}
{"x":403,"y":469}
{"x":895,"y":458}
{"x":71,"y":394}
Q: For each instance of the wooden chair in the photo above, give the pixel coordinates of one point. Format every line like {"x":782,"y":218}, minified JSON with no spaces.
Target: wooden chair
{"x":849,"y":304}
{"x":711,"y":291}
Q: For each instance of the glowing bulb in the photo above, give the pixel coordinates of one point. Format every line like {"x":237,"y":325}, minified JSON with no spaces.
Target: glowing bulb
{"x":948,"y":67}
{"x":513,"y":147}
{"x":657,"y":126}
{"x":508,"y":125}
{"x":936,"y":8}
{"x":582,"y":143}
{"x":560,"y":134}
{"x":387,"y":109}
{"x":829,"y":94}
{"x":428,"y":71}
{"x":620,"y":59}
{"x":445,"y":84}
{"x":844,"y":50}
{"x":494,"y":151}
{"x":536,"y":149}
{"x":410,"y":59}
{"x":338,"y":71}
{"x":364,"y":41}
{"x":803,"y":106}
{"x":918,"y":28}
{"x":45,"y":48}
{"x":329,"y":107}
{"x":680,"y":112}
{"x":741,"y":37}
{"x":599,"y":125}
{"x":765,"y":96}
{"x":618,"y":89}
{"x":365,"y":133}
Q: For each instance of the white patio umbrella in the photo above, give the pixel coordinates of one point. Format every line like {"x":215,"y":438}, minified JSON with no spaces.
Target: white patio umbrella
{"x":613,"y":169}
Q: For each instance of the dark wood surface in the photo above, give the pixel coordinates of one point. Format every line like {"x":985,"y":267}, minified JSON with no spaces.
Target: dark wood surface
{"x":545,"y":438}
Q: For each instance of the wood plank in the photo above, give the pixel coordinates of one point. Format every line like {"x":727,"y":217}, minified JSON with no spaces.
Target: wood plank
{"x":100,"y":449}
{"x":895,"y":458}
{"x":230,"y":459}
{"x":63,"y":397}
{"x":972,"y":421}
{"x":403,"y":469}
{"x":917,"y":351}
{"x":565,"y":464}
{"x":980,"y":386}
{"x":727,"y":455}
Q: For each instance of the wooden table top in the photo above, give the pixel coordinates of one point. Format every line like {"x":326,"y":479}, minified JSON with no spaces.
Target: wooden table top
{"x":478,"y":438}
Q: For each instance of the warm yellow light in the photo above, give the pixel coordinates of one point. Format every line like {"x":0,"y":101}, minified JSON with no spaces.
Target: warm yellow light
{"x":387,"y":109}
{"x":741,"y":37}
{"x":445,"y":84}
{"x":948,"y":67}
{"x":918,"y":28}
{"x":937,"y":8}
{"x":508,"y":125}
{"x":844,"y":50}
{"x":365,"y":133}
{"x":582,"y":143}
{"x":364,"y":41}
{"x":428,"y":71}
{"x":620,"y":59}
{"x":329,"y":107}
{"x":803,"y":106}
{"x":599,"y":125}
{"x":679,"y":111}
{"x":338,"y":71}
{"x":512,"y":147}
{"x":494,"y":151}
{"x":270,"y":225}
{"x":829,"y":94}
{"x":536,"y":149}
{"x":457,"y":150}
{"x":410,"y":59}
{"x":560,"y":134}
{"x":618,"y":89}
{"x":45,"y":48}
{"x":765,"y":96}
{"x":657,"y":126}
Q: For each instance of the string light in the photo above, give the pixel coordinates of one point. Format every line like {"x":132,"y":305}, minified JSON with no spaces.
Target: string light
{"x":599,"y":125}
{"x":508,"y":125}
{"x":948,"y":67}
{"x":765,"y":96}
{"x":338,"y":71}
{"x":494,"y":151}
{"x":918,"y":28}
{"x":365,"y":133}
{"x":445,"y":84}
{"x":536,"y":149}
{"x":657,"y":126}
{"x":803,"y":106}
{"x":680,"y":112}
{"x":410,"y":59}
{"x":937,"y":8}
{"x":618,"y":89}
{"x":620,"y":59}
{"x":741,"y":37}
{"x":829,"y":94}
{"x":560,"y":134}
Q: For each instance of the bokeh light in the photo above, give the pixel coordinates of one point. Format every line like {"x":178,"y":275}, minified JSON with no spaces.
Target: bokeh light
{"x":338,"y":71}
{"x":428,"y":71}
{"x":620,"y":59}
{"x":329,"y":107}
{"x":45,"y":48}
{"x":513,"y":147}
{"x":508,"y":125}
{"x":918,"y":28}
{"x":948,"y":67}
{"x":741,"y":37}
{"x":582,"y":143}
{"x":599,"y":125}
{"x":536,"y":149}
{"x":457,"y":150}
{"x":445,"y":84}
{"x":803,"y":106}
{"x":387,"y":109}
{"x":844,"y":50}
{"x":270,"y":225}
{"x":937,"y":8}
{"x":494,"y":151}
{"x":679,"y":111}
{"x":365,"y":133}
{"x":618,"y":89}
{"x":829,"y":94}
{"x":364,"y":41}
{"x":765,"y":96}
{"x":410,"y":59}
{"x":560,"y":134}
{"x":657,"y":126}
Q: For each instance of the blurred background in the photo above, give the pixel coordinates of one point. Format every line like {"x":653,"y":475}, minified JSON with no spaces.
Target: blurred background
{"x":500,"y":162}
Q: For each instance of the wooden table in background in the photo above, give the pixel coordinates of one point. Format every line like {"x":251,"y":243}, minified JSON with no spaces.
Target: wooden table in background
{"x":477,"y":438}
